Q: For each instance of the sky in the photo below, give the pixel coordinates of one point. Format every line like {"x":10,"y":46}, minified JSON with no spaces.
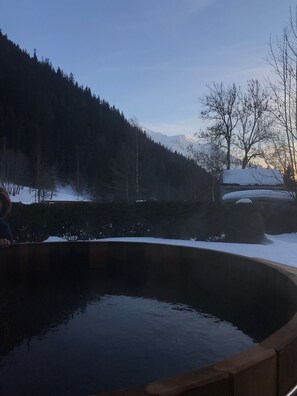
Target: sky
{"x":152,"y":59}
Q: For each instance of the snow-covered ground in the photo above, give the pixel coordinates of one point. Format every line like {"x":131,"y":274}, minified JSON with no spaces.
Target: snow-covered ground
{"x":62,"y":193}
{"x":279,"y":248}
{"x":55,"y":239}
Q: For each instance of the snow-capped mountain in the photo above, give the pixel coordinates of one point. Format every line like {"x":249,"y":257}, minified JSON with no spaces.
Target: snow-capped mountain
{"x":178,"y":143}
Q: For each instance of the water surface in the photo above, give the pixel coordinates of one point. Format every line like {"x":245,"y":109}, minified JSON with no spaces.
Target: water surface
{"x":87,"y":334}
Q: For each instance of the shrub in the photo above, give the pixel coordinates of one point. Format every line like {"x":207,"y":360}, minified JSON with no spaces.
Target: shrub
{"x":180,"y":220}
{"x":244,"y":224}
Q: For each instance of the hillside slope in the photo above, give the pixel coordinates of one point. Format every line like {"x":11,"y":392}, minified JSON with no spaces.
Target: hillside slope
{"x":53,"y":129}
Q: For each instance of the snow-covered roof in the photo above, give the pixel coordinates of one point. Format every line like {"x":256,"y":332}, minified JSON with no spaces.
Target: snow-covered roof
{"x":259,"y":195}
{"x":252,"y":177}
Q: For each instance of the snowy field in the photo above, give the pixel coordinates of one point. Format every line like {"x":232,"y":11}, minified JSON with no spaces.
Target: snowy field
{"x":279,"y":248}
{"x":62,"y":193}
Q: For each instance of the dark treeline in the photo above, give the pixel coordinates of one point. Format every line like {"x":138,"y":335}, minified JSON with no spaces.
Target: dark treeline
{"x":52,"y":129}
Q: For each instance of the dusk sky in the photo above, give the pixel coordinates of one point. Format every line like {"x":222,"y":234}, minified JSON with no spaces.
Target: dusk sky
{"x":151,"y":59}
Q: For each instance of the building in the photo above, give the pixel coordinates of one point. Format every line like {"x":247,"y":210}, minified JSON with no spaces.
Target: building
{"x":259,"y":185}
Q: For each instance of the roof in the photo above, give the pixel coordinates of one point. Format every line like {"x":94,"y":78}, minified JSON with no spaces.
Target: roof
{"x":252,"y":177}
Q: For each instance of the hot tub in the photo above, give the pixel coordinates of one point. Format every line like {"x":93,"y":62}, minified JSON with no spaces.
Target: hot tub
{"x":93,"y":317}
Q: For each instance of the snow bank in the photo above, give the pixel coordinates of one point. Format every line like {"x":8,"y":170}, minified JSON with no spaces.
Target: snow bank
{"x":259,"y":195}
{"x":55,"y":239}
{"x":244,"y":201}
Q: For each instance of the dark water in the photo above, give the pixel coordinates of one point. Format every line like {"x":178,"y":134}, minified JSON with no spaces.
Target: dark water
{"x":82,"y":335}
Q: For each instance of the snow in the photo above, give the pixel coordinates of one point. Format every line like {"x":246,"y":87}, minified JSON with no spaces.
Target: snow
{"x":258,"y":195}
{"x":62,"y":193}
{"x":252,"y":176}
{"x":55,"y":239}
{"x":178,"y":143}
{"x":244,"y":200}
{"x":279,"y":248}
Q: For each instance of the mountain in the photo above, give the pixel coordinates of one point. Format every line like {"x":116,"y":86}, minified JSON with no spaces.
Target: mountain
{"x":54,"y":131}
{"x":177,"y":143}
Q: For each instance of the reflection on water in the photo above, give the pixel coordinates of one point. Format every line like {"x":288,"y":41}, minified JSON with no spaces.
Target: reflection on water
{"x":81,"y":335}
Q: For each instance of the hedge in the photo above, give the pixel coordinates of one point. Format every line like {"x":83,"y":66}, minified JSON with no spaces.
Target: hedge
{"x":182,"y":220}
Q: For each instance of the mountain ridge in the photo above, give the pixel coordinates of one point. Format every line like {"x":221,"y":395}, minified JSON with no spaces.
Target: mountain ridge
{"x":177,"y":143}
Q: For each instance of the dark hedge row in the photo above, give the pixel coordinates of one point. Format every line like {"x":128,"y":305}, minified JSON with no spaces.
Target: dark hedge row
{"x":91,"y":220}
{"x":238,"y":223}
{"x":279,"y":219}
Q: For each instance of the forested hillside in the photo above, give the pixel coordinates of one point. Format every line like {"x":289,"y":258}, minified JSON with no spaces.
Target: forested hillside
{"x":52,"y":129}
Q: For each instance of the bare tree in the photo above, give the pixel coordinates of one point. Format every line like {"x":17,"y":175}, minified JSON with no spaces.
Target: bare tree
{"x":79,"y":182}
{"x":239,"y":121}
{"x":13,"y":170}
{"x":283,"y":60}
{"x":220,"y":108}
{"x":44,"y":180}
{"x":255,"y":124}
{"x":123,"y":173}
{"x":134,"y":123}
{"x":213,"y":160}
